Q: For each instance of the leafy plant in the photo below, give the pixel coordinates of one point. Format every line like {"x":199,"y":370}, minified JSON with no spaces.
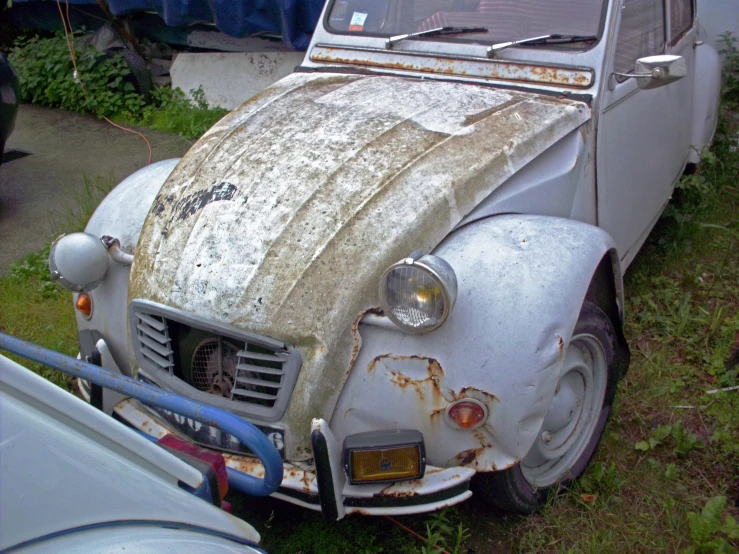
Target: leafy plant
{"x":442,"y":536}
{"x":47,"y":76}
{"x":601,"y":479}
{"x":102,"y":85}
{"x":172,"y":112}
{"x":706,"y":526}
{"x":731,"y":68}
{"x":683,"y":441}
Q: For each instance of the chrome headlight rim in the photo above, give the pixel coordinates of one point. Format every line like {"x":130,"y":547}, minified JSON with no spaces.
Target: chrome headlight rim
{"x":442,"y":274}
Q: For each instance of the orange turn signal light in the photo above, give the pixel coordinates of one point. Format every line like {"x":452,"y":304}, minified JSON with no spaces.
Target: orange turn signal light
{"x":467,"y":414}
{"x":84,"y":304}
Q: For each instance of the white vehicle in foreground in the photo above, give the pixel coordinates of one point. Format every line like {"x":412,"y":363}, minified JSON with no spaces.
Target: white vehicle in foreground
{"x":75,"y":480}
{"x":404,"y":261}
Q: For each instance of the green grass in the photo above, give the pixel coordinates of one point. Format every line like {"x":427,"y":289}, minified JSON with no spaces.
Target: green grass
{"x":34,"y":308}
{"x":171,"y":112}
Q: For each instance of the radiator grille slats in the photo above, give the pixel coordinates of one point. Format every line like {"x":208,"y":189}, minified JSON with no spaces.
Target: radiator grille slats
{"x":259,"y":376}
{"x":258,"y":382}
{"x":154,"y":341}
{"x":265,"y":370}
{"x":157,"y":347}
{"x":245,"y":373}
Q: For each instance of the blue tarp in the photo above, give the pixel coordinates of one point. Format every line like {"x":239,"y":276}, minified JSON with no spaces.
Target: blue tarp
{"x":295,"y":20}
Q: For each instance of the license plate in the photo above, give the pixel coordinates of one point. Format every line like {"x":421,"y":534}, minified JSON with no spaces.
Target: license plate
{"x":212,"y":437}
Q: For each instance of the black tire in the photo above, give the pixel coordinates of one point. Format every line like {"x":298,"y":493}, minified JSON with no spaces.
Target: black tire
{"x":509,"y":489}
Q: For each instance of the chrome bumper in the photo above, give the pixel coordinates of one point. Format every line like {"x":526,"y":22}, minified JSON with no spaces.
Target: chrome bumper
{"x":321,"y":484}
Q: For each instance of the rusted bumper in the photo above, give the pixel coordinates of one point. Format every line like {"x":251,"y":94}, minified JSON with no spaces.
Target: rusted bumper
{"x":321,"y":484}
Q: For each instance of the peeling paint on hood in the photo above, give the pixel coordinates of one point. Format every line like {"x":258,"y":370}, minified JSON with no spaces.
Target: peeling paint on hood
{"x":281,"y":219}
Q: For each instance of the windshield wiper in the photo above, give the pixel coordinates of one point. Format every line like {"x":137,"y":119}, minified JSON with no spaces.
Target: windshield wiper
{"x":434,"y":32}
{"x":545,"y":39}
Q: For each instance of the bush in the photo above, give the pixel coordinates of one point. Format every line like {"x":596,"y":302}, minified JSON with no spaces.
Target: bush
{"x":731,"y":70}
{"x":47,"y":77}
{"x":102,"y":87}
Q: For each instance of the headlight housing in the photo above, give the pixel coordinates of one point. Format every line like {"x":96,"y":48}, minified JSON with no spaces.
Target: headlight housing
{"x":78,"y":262}
{"x":418,"y":293}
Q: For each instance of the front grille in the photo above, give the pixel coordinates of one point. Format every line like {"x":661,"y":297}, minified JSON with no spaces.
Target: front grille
{"x":154,"y":342}
{"x":214,"y":363}
{"x":259,"y":376}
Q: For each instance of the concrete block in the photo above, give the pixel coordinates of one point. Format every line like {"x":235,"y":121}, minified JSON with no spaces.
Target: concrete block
{"x":227,"y":78}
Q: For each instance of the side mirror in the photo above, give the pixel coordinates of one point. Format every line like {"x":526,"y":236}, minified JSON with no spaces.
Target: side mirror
{"x":657,"y":71}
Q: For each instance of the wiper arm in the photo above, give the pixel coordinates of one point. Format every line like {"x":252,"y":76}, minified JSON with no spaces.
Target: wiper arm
{"x":545,"y":39}
{"x":434,"y":32}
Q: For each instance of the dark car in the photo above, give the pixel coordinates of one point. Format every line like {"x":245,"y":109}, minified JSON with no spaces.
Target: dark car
{"x":8,"y":101}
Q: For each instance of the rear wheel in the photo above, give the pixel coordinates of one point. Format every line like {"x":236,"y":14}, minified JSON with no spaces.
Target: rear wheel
{"x":573,"y":425}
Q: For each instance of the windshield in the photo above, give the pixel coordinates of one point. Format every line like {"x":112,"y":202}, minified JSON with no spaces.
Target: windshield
{"x":504,"y":20}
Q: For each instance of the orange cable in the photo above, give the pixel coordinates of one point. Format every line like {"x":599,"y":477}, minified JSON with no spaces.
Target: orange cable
{"x":411,"y":531}
{"x":131,"y":131}
{"x":70,"y":46}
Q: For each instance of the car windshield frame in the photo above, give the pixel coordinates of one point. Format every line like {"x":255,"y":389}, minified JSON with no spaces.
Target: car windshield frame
{"x":463,"y":39}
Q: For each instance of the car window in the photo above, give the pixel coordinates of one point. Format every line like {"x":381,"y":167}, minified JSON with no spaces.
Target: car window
{"x":641,"y":33}
{"x":504,"y":19}
{"x":681,"y":18}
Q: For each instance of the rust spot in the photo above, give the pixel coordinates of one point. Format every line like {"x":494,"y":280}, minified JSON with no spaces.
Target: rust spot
{"x":409,"y":489}
{"x":466,"y":457}
{"x":488,"y":69}
{"x":561,"y":345}
{"x":489,"y":395}
{"x":433,"y":369}
{"x":358,"y":339}
{"x":246,"y":464}
{"x":306,"y":481}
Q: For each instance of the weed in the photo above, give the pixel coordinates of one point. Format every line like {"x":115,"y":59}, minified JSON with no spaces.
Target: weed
{"x":682,"y":440}
{"x":706,"y":529}
{"x":731,"y":69}
{"x":171,"y":112}
{"x":442,"y":536}
{"x":602,"y":480}
{"x":80,"y":203}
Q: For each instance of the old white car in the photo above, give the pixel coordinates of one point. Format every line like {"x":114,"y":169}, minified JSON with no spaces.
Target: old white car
{"x":404,"y":261}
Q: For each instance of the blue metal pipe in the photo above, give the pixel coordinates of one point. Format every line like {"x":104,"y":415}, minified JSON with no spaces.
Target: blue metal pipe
{"x":249,"y":435}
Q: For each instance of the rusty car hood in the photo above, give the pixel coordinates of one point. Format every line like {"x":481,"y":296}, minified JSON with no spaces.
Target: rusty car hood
{"x":281,"y":219}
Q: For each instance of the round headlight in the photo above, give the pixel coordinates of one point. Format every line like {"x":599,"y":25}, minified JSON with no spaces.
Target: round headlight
{"x":418,"y":294}
{"x":78,"y":262}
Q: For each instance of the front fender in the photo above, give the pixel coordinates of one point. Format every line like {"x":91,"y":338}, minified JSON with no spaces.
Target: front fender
{"x":121,"y":215}
{"x":522,"y":281}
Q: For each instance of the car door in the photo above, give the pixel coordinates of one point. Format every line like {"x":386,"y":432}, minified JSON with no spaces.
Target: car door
{"x":640,"y":135}
{"x":682,"y":32}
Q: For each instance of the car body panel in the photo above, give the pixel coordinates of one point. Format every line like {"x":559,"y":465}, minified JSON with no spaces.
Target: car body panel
{"x":392,"y":166}
{"x":503,"y":350}
{"x":707,"y":89}
{"x":66,"y":465}
{"x":121,"y":215}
